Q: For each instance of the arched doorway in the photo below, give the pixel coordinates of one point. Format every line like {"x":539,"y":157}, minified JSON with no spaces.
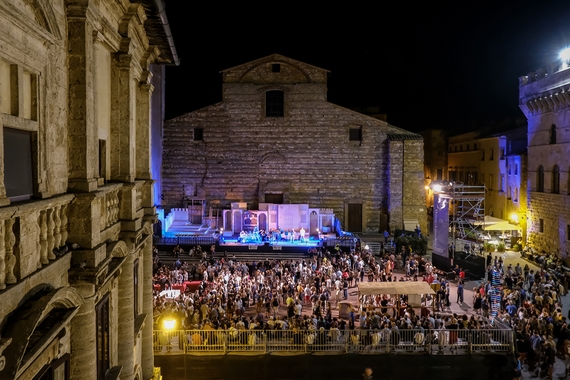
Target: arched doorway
{"x":262,"y":222}
{"x":313,"y":224}
{"x":237,"y":222}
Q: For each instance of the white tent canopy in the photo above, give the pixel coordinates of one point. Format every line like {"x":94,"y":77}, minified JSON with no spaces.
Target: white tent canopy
{"x":489,"y":220}
{"x":503,"y":226}
{"x":394,"y":288}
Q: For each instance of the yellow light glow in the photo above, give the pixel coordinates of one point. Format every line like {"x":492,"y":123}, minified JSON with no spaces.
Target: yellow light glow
{"x":169,"y":324}
{"x":515,"y":217}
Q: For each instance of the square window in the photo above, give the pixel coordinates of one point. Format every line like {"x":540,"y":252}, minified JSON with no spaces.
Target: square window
{"x":355,"y":134}
{"x":18,"y":164}
{"x":198,"y":134}
{"x":276,"y":68}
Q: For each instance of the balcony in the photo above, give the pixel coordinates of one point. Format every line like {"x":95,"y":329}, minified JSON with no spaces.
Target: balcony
{"x":31,"y":235}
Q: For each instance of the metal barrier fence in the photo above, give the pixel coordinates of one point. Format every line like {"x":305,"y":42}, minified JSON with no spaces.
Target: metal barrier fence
{"x":185,"y":240}
{"x":333,"y":341}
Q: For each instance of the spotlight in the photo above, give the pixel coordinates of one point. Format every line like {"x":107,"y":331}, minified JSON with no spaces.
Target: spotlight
{"x":565,"y":54}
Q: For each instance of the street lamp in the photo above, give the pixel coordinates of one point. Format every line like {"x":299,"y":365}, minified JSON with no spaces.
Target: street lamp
{"x":169,"y":324}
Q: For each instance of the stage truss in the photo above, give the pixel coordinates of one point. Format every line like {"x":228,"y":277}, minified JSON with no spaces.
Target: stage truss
{"x":469,"y":207}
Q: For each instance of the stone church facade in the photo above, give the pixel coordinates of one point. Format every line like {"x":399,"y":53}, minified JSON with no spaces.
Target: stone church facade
{"x":545,"y":101}
{"x":274,"y":138}
{"x":76,"y":191}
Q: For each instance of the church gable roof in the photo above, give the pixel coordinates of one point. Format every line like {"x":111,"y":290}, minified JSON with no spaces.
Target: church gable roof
{"x":274,"y":69}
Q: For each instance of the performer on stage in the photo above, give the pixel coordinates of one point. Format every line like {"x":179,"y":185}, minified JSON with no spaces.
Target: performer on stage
{"x":302,"y":232}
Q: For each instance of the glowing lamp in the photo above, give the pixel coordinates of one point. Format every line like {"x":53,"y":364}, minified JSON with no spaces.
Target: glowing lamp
{"x":169,"y":324}
{"x":514,"y":217}
{"x":436,"y":187}
{"x":565,"y":54}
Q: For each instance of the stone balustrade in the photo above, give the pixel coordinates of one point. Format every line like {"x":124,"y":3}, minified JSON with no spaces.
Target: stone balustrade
{"x":110,"y":206}
{"x":31,"y":236}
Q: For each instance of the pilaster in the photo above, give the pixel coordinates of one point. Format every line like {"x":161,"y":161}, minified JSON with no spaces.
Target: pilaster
{"x":82,"y":134}
{"x":143,"y":110}
{"x":126,"y":320}
{"x":123,"y":131}
{"x":147,"y":361}
{"x":83,"y":342}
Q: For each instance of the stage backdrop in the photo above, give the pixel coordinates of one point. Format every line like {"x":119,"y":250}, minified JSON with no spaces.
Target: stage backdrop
{"x":441,"y":225}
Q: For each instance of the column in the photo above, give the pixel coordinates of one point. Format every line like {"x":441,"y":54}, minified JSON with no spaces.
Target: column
{"x":147,"y":361}
{"x":84,"y":343}
{"x":82,"y":136}
{"x":126,"y":319}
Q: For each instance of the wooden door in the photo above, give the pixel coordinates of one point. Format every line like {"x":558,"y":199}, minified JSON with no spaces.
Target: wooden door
{"x":354,"y":217}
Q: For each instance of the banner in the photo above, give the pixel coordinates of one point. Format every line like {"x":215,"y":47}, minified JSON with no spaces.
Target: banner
{"x":441,"y":225}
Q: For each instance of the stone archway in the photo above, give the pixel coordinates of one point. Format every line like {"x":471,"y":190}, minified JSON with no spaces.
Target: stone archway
{"x":46,"y":306}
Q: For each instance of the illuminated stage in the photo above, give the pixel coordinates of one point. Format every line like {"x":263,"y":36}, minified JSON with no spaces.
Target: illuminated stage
{"x":272,"y":227}
{"x":236,"y":244}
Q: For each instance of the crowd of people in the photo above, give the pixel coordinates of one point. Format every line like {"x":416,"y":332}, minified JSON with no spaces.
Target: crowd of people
{"x":249,"y":295}
{"x":531,"y":304}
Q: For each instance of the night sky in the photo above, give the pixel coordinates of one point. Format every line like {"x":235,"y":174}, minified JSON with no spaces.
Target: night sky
{"x":449,"y":65}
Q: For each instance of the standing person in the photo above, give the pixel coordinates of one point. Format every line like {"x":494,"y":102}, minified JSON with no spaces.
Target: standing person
{"x":367,"y":375}
{"x":460,"y":292}
{"x":518,"y":369}
{"x":386,"y":235}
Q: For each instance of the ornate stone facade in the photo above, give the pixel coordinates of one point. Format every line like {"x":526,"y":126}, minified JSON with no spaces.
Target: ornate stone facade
{"x":544,"y":98}
{"x":275,"y":138}
{"x":76,"y":191}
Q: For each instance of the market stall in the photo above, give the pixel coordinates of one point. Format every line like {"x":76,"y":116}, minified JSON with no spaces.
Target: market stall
{"x":403,"y":295}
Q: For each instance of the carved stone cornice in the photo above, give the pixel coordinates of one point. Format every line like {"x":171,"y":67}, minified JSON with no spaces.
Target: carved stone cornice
{"x":553,"y":100}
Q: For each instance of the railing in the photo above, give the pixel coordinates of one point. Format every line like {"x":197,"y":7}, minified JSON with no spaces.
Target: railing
{"x":333,"y":341}
{"x":110,"y":206}
{"x":30,"y":237}
{"x":185,"y":240}
{"x":349,"y":242}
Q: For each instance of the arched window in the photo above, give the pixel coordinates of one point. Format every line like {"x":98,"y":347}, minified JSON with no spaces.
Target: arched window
{"x":540,"y":179}
{"x":516,"y":194}
{"x":553,"y":134}
{"x":274,"y":103}
{"x":556,"y":180}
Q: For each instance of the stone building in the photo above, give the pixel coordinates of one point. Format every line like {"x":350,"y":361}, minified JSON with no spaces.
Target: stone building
{"x":435,"y":159}
{"x":274,"y":138}
{"x":76,"y":199}
{"x":544,"y":99}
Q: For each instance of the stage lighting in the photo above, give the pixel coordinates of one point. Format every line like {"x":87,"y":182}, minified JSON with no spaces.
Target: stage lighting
{"x":565,"y":55}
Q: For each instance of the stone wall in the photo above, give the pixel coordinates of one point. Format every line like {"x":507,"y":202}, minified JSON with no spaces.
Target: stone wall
{"x":75,"y":82}
{"x":306,"y":155}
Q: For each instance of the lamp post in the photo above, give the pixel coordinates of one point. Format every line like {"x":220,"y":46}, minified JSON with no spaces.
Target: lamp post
{"x":169,"y":324}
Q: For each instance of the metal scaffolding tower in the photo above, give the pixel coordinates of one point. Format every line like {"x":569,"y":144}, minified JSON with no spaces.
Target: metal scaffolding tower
{"x":468,"y":208}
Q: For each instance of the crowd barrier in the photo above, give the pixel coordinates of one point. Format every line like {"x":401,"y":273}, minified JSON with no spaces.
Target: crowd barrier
{"x":333,"y":341}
